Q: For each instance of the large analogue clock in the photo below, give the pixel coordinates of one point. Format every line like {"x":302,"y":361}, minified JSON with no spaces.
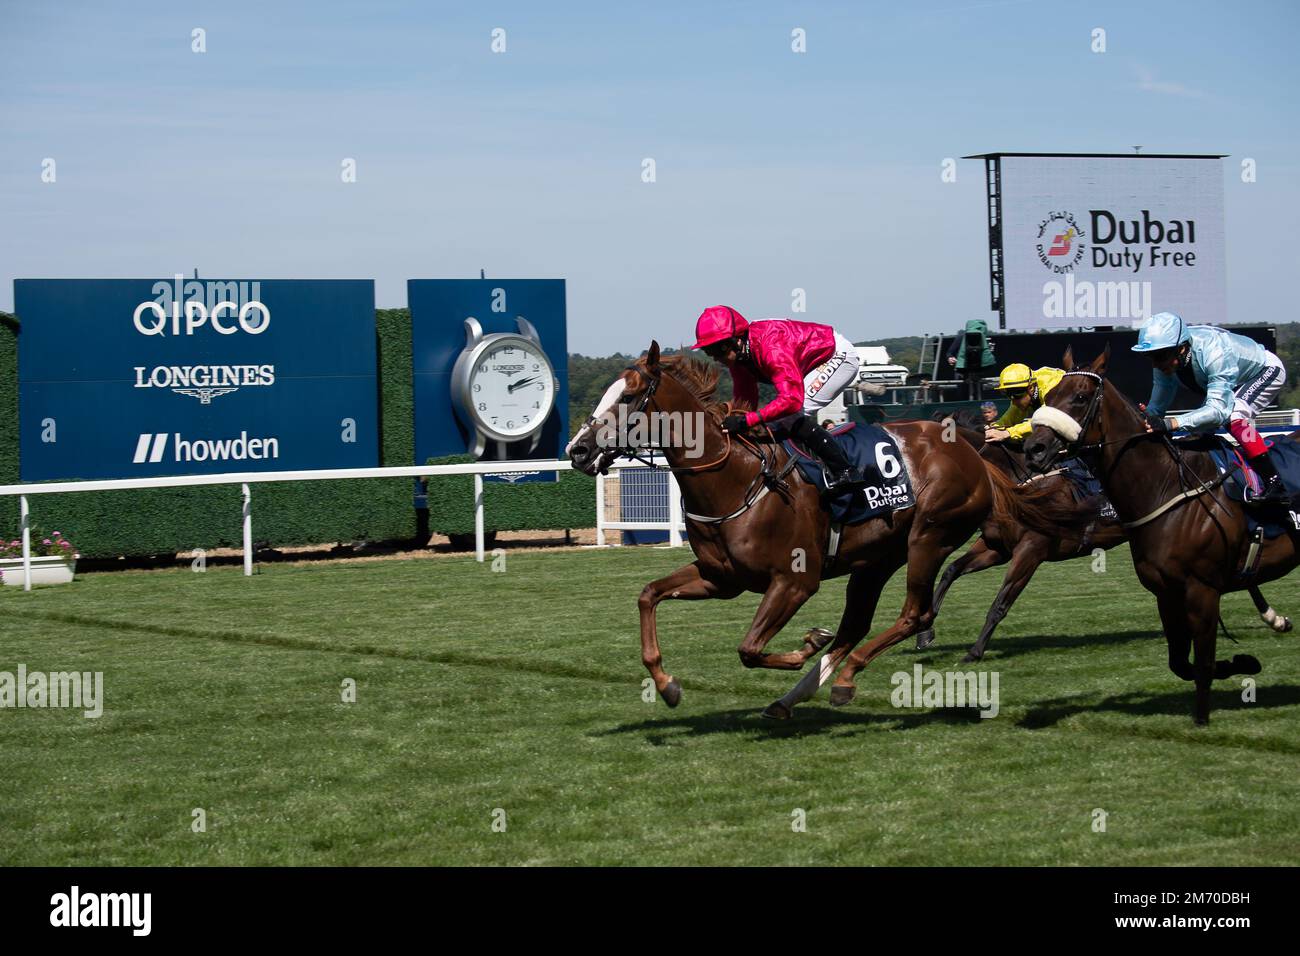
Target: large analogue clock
{"x":504,"y":384}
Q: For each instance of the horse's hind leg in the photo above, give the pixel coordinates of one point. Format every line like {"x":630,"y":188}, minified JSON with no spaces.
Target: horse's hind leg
{"x":685,"y":584}
{"x":978,"y":558}
{"x":926,"y":554}
{"x":782,"y":599}
{"x":1026,"y":559}
{"x":1274,"y":620}
{"x":1203,"y":618}
{"x":861,"y":597}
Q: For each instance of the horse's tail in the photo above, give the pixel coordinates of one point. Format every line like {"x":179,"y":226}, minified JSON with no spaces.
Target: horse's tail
{"x":1048,"y":508}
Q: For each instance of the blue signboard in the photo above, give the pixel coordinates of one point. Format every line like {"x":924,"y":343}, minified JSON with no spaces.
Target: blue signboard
{"x":439,"y":308}
{"x":137,"y":378}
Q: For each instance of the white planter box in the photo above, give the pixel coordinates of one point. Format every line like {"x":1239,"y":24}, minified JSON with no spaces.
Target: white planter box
{"x":51,"y":570}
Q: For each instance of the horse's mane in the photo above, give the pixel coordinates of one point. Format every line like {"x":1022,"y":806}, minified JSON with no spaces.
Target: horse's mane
{"x":701,"y":378}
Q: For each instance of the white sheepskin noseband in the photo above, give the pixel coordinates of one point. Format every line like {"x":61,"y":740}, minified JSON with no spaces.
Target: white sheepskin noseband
{"x":1057,"y":421}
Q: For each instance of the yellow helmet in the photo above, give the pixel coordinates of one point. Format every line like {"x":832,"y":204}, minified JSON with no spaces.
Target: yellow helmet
{"x":1014,"y":376}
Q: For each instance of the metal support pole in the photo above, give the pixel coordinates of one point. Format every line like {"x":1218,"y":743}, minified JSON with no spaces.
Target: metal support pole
{"x":600,"y":511}
{"x":478,"y":517}
{"x":27,"y":544}
{"x":674,"y":512}
{"x":248,"y":532}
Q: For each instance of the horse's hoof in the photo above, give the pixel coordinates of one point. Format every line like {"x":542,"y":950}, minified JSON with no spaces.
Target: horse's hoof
{"x":971,"y":657}
{"x":672,"y":694}
{"x":841,"y":695}
{"x":924,"y":639}
{"x":1246,"y":664}
{"x":1286,"y":625}
{"x":818,"y":637}
{"x":777,"y":711}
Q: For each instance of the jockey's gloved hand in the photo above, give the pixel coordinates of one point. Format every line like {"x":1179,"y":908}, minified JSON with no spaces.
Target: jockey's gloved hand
{"x":735,"y":422}
{"x":1158,"y":423}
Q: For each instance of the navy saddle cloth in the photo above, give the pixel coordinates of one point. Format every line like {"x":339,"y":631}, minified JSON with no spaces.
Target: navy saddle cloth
{"x":1285,"y":455}
{"x":874,"y":451}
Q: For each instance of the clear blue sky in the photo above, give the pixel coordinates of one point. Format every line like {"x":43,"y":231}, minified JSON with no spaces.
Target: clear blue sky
{"x":775,"y":170}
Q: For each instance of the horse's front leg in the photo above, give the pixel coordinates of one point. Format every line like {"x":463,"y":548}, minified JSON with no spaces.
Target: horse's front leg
{"x":1026,"y":559}
{"x":979,"y":557}
{"x":783,"y":598}
{"x":685,"y":584}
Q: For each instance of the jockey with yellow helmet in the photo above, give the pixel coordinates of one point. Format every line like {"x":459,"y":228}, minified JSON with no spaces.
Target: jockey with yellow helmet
{"x":1027,"y":391}
{"x":809,"y":364}
{"x":1237,"y":376}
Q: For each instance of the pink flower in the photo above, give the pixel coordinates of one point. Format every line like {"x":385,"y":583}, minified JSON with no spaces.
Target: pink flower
{"x":47,"y":541}
{"x":57,"y":533}
{"x":64,"y":544}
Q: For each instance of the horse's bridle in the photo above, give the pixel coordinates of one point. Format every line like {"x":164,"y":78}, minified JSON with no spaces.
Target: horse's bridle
{"x":768,"y":475}
{"x":1077,"y":447}
{"x":615,"y":452}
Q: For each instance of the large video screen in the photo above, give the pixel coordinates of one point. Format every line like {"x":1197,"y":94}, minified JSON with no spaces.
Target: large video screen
{"x":1091,"y":240}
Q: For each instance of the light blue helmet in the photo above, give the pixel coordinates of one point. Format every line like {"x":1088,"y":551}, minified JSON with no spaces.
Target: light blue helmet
{"x":1164,"y":330}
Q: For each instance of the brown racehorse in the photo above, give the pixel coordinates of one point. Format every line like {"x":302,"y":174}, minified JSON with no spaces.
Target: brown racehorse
{"x":1188,"y":554}
{"x":756,"y":525}
{"x":1003,"y":539}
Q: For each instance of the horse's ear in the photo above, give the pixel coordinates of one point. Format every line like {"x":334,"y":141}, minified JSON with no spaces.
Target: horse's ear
{"x":652,"y":357}
{"x":1067,"y":360}
{"x":1099,"y":363}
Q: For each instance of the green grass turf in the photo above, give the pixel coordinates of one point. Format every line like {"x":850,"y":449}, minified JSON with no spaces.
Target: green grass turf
{"x":522,"y":691}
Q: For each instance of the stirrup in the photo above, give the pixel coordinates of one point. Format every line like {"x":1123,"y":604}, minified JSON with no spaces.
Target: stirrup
{"x":847,"y":480}
{"x":1274,"y":493}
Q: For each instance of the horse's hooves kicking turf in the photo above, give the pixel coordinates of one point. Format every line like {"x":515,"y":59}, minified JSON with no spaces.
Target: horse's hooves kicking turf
{"x":924,"y":639}
{"x":777,"y":711}
{"x":841,"y":695}
{"x":672,"y":694}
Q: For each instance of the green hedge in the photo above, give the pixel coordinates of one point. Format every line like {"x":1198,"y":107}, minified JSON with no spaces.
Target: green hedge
{"x":167,"y":520}
{"x":567,"y":503}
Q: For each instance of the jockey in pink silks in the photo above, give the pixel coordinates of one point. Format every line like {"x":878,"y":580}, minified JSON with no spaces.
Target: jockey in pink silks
{"x":808,"y":364}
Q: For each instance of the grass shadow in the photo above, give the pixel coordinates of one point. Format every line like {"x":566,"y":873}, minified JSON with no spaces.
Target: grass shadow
{"x":1177,"y":703}
{"x":809,"y":719}
{"x":1013,"y":646}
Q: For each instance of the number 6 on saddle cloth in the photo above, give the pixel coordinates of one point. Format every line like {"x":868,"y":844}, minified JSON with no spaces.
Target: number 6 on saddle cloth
{"x":874,"y":451}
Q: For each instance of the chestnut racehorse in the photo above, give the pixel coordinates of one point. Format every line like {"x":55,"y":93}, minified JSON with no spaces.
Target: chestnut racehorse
{"x":756,"y":525}
{"x":1003,"y":539}
{"x":1189,"y":541}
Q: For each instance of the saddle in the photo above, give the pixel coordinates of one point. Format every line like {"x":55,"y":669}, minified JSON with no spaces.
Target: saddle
{"x":1241,"y":480}
{"x":874,"y":451}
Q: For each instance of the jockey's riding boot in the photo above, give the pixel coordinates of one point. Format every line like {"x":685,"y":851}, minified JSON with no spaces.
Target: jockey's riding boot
{"x":840,"y":474}
{"x":1274,"y":492}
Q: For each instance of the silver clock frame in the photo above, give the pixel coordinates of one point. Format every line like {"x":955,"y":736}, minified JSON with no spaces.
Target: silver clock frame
{"x":476,"y":345}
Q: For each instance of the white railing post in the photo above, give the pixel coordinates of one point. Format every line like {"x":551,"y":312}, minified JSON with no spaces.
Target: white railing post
{"x":248,"y":532}
{"x":27,"y":544}
{"x":600,"y":510}
{"x":674,"y":512}
{"x":478,"y":517}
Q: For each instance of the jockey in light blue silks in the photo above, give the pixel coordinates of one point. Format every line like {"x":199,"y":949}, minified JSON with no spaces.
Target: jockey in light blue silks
{"x":1237,"y":376}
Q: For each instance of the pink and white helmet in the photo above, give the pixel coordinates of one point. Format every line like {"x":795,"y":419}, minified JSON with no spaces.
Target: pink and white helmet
{"x":716,"y":323}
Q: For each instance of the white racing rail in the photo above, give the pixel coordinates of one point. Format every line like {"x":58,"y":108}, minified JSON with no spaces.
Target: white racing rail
{"x":245,"y":479}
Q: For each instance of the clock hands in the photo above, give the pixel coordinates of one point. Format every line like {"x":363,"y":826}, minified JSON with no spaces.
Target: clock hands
{"x":521,"y":383}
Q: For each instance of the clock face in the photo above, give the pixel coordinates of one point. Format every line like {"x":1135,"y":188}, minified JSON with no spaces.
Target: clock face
{"x":511,"y":388}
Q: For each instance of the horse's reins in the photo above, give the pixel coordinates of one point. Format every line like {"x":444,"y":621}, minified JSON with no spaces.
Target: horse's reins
{"x":1078,"y":449}
{"x":765,"y":480}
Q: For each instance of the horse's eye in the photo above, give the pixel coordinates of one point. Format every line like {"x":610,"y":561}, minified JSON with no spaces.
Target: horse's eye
{"x":1078,"y":399}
